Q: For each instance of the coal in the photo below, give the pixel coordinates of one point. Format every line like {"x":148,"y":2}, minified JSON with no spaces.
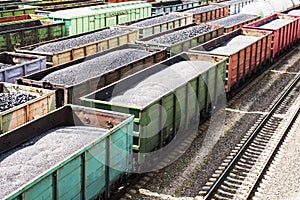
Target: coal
{"x":232,"y":20}
{"x":275,"y":24}
{"x":78,"y":41}
{"x":294,"y":12}
{"x":4,"y":65}
{"x":156,"y":20}
{"x":12,"y":99}
{"x":160,"y":83}
{"x":235,"y":44}
{"x":181,"y":35}
{"x":24,"y":163}
{"x":203,"y":9}
{"x":77,"y":73}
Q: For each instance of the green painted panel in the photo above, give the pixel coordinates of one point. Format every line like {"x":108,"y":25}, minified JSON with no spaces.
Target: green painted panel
{"x":41,"y":190}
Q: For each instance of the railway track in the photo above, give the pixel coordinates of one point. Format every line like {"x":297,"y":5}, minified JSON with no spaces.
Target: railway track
{"x":239,"y":175}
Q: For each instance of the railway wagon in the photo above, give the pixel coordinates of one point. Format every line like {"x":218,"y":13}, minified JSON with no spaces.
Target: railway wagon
{"x":70,"y":92}
{"x":235,"y":6}
{"x":67,"y":49}
{"x":183,"y":38}
{"x":285,"y":30}
{"x":158,"y":23}
{"x":233,"y":22}
{"x":27,"y":33}
{"x":169,"y":6}
{"x":21,"y":104}
{"x":168,"y":108}
{"x":20,"y":18}
{"x":79,"y":20}
{"x":15,"y":65}
{"x":17,"y":10}
{"x":99,"y":158}
{"x":205,"y":13}
{"x":247,"y":50}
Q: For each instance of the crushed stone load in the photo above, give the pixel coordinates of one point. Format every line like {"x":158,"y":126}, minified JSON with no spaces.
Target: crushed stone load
{"x":78,"y":41}
{"x":4,"y":65}
{"x":156,"y":20}
{"x":235,"y":44}
{"x":12,"y":99}
{"x":26,"y":162}
{"x":203,"y":9}
{"x":232,"y":20}
{"x":294,"y":12}
{"x":181,"y":35}
{"x":275,"y":24}
{"x":160,"y":83}
{"x":80,"y":72}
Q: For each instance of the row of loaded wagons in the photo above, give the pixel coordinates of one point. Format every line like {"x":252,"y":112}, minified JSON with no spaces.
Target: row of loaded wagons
{"x":136,"y":97}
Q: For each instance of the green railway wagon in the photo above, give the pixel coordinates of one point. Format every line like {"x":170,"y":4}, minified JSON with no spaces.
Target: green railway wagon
{"x":17,"y":10}
{"x":84,"y":172}
{"x":79,"y":20}
{"x":159,"y":120}
{"x":26,"y":33}
{"x":20,"y":18}
{"x":182,"y":45}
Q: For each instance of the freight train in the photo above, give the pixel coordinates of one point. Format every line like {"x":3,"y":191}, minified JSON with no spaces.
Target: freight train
{"x":93,"y":168}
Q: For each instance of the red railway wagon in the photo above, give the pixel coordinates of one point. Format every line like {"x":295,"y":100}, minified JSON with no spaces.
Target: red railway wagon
{"x":283,"y":36}
{"x":242,"y":61}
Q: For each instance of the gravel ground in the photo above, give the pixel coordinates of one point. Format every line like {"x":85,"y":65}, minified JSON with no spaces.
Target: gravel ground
{"x":284,"y":180}
{"x":78,"y":41}
{"x":232,"y":20}
{"x":77,"y":73}
{"x":156,"y":20}
{"x":181,"y":35}
{"x":160,"y":83}
{"x":10,"y":100}
{"x":24,"y":163}
{"x":186,"y":176}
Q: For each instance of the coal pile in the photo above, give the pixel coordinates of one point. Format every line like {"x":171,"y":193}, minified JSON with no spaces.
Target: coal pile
{"x":181,"y":35}
{"x":275,"y":24}
{"x":24,"y":163}
{"x":10,"y":100}
{"x":202,"y":9}
{"x":232,"y":20}
{"x":4,"y":65}
{"x":78,"y":41}
{"x":156,"y":20}
{"x":158,"y":84}
{"x":77,"y":73}
{"x":235,"y":44}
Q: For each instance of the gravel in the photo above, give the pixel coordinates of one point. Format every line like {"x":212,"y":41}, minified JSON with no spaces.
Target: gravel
{"x":203,"y":9}
{"x":4,"y":65}
{"x":10,"y":100}
{"x":77,"y":73}
{"x":160,"y":83}
{"x":181,"y":35}
{"x":232,"y":20}
{"x":235,"y":44}
{"x":78,"y":41}
{"x":275,"y":24}
{"x":156,"y":20}
{"x":294,"y":12}
{"x":24,"y":163}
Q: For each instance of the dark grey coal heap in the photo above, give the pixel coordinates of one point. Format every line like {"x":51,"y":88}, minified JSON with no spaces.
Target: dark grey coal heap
{"x":78,"y":41}
{"x":94,"y":67}
{"x":3,"y":65}
{"x":181,"y":35}
{"x":232,"y":20}
{"x":203,"y":9}
{"x":10,"y":100}
{"x":156,"y":20}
